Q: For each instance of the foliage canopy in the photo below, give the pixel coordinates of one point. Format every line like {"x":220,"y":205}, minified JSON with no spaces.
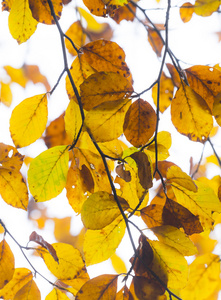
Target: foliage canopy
{"x":107,"y":152}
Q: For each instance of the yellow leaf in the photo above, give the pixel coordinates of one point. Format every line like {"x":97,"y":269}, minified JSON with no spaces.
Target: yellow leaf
{"x":113,"y":149}
{"x":191,"y":115}
{"x":76,"y":34}
{"x":175,"y":174}
{"x":132,"y":191}
{"x":100,"y":209}
{"x":13,"y":188}
{"x":77,"y":283}
{"x":70,"y":261}
{"x":7,"y":263}
{"x":21,"y":23}
{"x":20,"y":278}
{"x":73,"y":120}
{"x":166,"y":92}
{"x":101,"y":287}
{"x":47,"y":173}
{"x":41,"y":10}
{"x":139,"y":123}
{"x":86,"y":175}
{"x":10,"y":158}
{"x":107,"y":115}
{"x":29,"y":291}
{"x":56,"y":294}
{"x":173,"y":237}
{"x":164,"y":142}
{"x":205,"y":8}
{"x":118,"y":264}
{"x":103,"y":87}
{"x":205,"y":81}
{"x":5,"y":94}
{"x":201,"y":203}
{"x":106,"y":56}
{"x":99,"y":245}
{"x":80,"y":70}
{"x":217,"y":109}
{"x":28,"y":120}
{"x":169,"y":264}
{"x":17,"y":75}
{"x":203,"y":278}
{"x":92,"y":24}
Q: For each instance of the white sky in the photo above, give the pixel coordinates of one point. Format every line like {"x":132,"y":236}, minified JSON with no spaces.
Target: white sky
{"x":194,"y":43}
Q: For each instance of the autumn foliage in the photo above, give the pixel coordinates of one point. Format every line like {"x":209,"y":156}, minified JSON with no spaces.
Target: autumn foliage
{"x":107,"y":152}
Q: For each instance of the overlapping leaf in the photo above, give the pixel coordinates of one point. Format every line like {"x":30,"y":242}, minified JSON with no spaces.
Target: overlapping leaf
{"x":56,"y":134}
{"x":101,"y":287}
{"x":76,"y":34}
{"x":155,"y":41}
{"x":100,"y":209}
{"x":70,"y":261}
{"x":29,"y":291}
{"x":175,"y":174}
{"x":99,"y":245}
{"x":47,"y":173}
{"x":102,"y":87}
{"x":21,"y":277}
{"x":56,"y":294}
{"x":140,"y":123}
{"x":201,"y":203}
{"x":205,"y":81}
{"x":106,"y":56}
{"x":169,"y":264}
{"x":107,"y":115}
{"x":73,"y":120}
{"x":173,"y":237}
{"x":28,"y":120}
{"x":21,"y":23}
{"x":217,"y":109}
{"x":191,"y":115}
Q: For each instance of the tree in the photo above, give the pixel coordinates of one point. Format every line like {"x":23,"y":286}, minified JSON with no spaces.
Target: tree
{"x":107,"y":152}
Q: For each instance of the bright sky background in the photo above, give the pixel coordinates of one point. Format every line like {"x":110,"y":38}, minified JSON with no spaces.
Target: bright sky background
{"x":193,"y":43}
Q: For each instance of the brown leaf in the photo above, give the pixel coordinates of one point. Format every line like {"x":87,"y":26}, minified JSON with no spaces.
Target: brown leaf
{"x":34,"y":237}
{"x":147,"y":289}
{"x":125,"y":175}
{"x":140,"y":123}
{"x":126,"y":12}
{"x":144,"y":257}
{"x":41,"y":10}
{"x":145,"y":172}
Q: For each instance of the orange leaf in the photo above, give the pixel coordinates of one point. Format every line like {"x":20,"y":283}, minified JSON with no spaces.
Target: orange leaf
{"x":205,"y":81}
{"x":102,"y":87}
{"x":96,"y":7}
{"x":140,"y":123}
{"x":29,"y":291}
{"x":155,"y":41}
{"x":217,"y":109}
{"x":10,"y":158}
{"x":106,"y":56}
{"x":186,"y":12}
{"x":41,"y":10}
